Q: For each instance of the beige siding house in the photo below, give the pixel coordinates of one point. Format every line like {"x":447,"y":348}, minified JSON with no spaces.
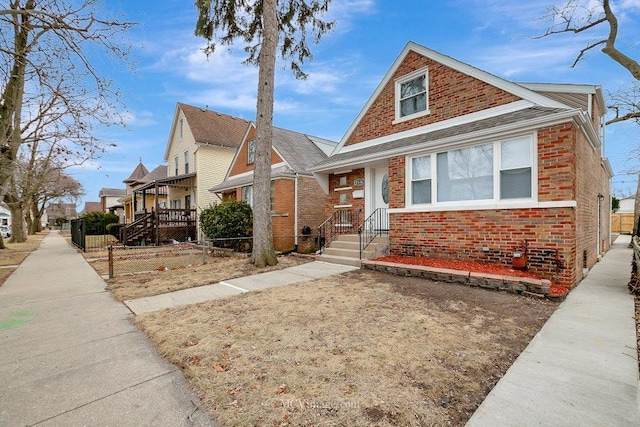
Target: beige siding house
{"x":200,"y":148}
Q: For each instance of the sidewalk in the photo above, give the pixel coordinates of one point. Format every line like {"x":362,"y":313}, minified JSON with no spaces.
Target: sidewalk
{"x":70,"y":355}
{"x":581,"y":369}
{"x":300,"y":273}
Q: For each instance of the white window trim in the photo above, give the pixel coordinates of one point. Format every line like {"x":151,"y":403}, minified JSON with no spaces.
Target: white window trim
{"x":181,"y":128}
{"x":186,"y":160}
{"x":494,"y":203}
{"x":176,"y":165}
{"x":422,"y":71}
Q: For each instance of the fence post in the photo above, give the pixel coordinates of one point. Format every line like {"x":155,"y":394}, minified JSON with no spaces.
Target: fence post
{"x":110,"y":261}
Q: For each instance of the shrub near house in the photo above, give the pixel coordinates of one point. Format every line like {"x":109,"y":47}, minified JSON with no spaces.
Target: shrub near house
{"x":96,"y":222}
{"x":229,"y":220}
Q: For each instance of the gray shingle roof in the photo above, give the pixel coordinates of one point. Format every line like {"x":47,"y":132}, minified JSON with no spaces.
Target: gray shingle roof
{"x":241,"y":181}
{"x":431,"y":139}
{"x":112,"y":192}
{"x":298,"y":149}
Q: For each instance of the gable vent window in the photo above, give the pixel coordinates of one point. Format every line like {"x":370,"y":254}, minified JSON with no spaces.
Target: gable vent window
{"x":251,"y":151}
{"x":412,"y":95}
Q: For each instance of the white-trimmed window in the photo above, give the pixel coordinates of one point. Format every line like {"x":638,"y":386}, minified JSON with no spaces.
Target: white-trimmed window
{"x":181,"y":127}
{"x":186,"y":162}
{"x":175,"y":164}
{"x":412,"y":94}
{"x":421,"y":180}
{"x":491,"y":172}
{"x":251,"y":151}
{"x":247,"y":194}
{"x":465,"y":174}
{"x":515,"y":169}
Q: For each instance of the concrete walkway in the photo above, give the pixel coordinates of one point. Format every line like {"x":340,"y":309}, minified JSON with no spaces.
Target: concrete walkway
{"x":70,"y":356}
{"x":287,"y":276}
{"x":581,"y":369}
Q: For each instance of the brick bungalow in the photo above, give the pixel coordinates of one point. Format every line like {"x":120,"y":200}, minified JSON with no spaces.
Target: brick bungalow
{"x":297,"y":201}
{"x":470,"y":166}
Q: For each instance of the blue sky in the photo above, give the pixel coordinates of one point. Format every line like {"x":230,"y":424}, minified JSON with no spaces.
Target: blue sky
{"x":349,"y":62}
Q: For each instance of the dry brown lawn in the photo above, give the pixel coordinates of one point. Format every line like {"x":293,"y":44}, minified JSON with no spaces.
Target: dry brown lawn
{"x":363,"y":348}
{"x":215,"y":270}
{"x":15,"y":253}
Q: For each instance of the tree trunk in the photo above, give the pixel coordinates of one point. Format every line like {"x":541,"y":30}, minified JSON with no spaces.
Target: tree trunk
{"x":2,"y":246}
{"x":263,"y":252}
{"x":17,"y":227}
{"x":36,"y":215}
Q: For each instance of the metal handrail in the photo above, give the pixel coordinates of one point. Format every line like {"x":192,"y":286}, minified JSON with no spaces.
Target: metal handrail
{"x":375,"y":225}
{"x":340,"y":222}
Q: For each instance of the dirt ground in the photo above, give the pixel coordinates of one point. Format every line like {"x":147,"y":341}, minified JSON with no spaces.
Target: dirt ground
{"x":215,"y":270}
{"x":362,"y":348}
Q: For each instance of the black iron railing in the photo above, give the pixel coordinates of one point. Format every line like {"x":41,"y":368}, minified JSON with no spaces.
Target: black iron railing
{"x":340,"y":222}
{"x":376,"y":224}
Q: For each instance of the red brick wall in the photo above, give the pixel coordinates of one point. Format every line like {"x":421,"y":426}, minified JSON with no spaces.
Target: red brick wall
{"x":556,"y":163}
{"x":451,"y":94}
{"x":333,"y":197}
{"x":568,"y":169}
{"x":241,"y":165}
{"x":311,"y":211}
{"x":464,"y":234}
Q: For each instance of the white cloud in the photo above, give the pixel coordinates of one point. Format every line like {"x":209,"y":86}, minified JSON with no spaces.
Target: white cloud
{"x":142,"y":118}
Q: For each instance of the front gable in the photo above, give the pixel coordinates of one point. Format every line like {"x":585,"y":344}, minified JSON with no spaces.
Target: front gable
{"x":453,"y":90}
{"x":242,"y":163}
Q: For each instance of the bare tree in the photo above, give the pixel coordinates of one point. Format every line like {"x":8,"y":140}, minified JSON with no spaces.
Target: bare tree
{"x":263,"y":26}
{"x":46,"y":52}
{"x":578,"y":16}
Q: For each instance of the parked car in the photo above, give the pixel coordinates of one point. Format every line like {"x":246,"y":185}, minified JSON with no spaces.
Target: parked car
{"x":5,"y":231}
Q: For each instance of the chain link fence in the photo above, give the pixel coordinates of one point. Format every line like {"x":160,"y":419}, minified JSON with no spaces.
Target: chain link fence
{"x":115,"y":260}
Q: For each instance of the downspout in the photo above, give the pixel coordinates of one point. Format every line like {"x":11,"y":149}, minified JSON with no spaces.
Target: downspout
{"x":295,"y":213}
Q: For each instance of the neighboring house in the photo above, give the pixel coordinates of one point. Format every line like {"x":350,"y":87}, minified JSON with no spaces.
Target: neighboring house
{"x":132,"y":181}
{"x":622,"y":220}
{"x":92,"y":207}
{"x":200,"y":149}
{"x":142,"y":198}
{"x":60,"y":213}
{"x":627,"y":204}
{"x":109,"y":199}
{"x":469,"y":165}
{"x":5,"y":214}
{"x":297,"y":201}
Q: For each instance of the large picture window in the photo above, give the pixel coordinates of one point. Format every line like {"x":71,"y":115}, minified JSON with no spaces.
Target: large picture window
{"x":466,"y":174}
{"x":491,"y":172}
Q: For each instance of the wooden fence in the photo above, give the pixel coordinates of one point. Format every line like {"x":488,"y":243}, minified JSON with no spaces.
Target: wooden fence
{"x":622,"y":222}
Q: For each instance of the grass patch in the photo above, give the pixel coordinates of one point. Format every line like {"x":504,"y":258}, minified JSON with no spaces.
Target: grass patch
{"x":364,"y":348}
{"x":155,"y":282}
{"x":15,"y":253}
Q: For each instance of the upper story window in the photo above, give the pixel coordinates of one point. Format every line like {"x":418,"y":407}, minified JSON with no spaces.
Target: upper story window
{"x":175,"y":166}
{"x":492,"y":172}
{"x":412,"y":95}
{"x":180,"y":127}
{"x":251,"y":151}
{"x":186,"y":162}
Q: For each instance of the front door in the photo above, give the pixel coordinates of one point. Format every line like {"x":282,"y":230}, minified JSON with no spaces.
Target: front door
{"x":380,"y":197}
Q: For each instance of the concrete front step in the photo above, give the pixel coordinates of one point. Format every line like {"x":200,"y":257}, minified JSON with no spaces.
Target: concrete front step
{"x":345,"y":249}
{"x":333,"y":259}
